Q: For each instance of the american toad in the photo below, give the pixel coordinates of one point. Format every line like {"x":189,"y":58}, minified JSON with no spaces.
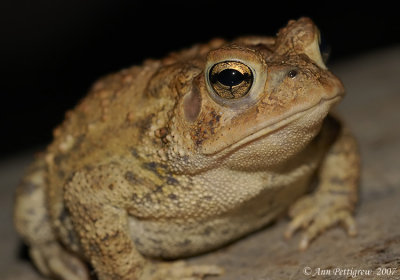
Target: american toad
{"x":182,"y":155}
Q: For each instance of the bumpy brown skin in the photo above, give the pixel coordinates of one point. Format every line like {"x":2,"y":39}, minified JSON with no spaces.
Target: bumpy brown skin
{"x":154,"y":164}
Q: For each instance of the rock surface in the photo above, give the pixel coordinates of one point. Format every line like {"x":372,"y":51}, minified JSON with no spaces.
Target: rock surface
{"x":371,"y":108}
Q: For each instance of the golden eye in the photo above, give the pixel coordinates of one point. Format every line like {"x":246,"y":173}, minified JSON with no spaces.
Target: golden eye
{"x":231,"y":79}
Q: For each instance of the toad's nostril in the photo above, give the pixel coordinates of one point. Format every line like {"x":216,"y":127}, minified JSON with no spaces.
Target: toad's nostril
{"x":292,"y":74}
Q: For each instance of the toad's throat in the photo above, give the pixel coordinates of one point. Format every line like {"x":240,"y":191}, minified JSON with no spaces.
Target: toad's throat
{"x":270,"y":128}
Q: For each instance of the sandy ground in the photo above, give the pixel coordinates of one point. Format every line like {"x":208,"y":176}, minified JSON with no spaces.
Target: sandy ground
{"x":372,"y":110}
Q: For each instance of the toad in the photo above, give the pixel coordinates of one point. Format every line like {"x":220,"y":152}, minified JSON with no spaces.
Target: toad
{"x":182,"y":155}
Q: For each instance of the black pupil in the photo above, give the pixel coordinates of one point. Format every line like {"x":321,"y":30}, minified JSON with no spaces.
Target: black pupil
{"x":230,"y":77}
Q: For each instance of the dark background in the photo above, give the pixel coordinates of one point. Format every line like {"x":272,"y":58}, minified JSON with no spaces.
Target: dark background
{"x":52,"y":51}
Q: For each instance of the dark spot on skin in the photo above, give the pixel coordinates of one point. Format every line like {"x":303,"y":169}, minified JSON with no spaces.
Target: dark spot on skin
{"x":207,"y":231}
{"x":134,"y":153}
{"x":59,"y":158}
{"x":214,"y":121}
{"x":164,"y":140}
{"x":138,"y":242}
{"x":72,"y":238}
{"x":108,"y":236}
{"x":161,"y":231}
{"x":63,"y":215}
{"x":115,"y":234}
{"x":105,"y":238}
{"x":148,"y":198}
{"x":184,"y":243}
{"x":131,"y":178}
{"x":151,"y":165}
{"x":144,"y":124}
{"x":199,"y":141}
{"x":187,"y":187}
{"x":158,"y":169}
{"x":339,"y":192}
{"x":134,"y":197}
{"x":206,"y":127}
{"x":37,"y":228}
{"x":172,"y":196}
{"x":158,"y":189}
{"x":94,"y":249}
{"x":337,"y":181}
{"x":111,"y":187}
{"x":172,"y":181}
{"x":69,"y":179}
{"x":60,"y":174}
{"x":154,"y":167}
{"x":162,"y":253}
{"x":88,"y":167}
{"x":225,"y":231}
{"x":185,"y":159}
{"x":155,"y":241}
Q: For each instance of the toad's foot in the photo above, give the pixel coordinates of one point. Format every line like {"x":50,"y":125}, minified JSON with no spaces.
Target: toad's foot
{"x":179,"y":270}
{"x":318,"y":212}
{"x":52,"y":260}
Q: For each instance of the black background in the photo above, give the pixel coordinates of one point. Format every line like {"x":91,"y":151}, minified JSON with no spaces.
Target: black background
{"x":52,"y":51}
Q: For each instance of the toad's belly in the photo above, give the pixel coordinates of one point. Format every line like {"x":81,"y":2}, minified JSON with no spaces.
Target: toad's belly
{"x":176,"y":238}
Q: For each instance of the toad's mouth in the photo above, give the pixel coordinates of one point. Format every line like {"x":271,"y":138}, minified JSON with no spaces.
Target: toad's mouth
{"x":279,"y":123}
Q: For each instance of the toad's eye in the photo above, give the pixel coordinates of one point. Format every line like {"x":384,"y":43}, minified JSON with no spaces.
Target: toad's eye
{"x":231,"y":79}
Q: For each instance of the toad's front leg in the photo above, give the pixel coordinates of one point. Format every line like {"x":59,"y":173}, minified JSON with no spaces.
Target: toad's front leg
{"x":98,"y":201}
{"x":334,"y":200}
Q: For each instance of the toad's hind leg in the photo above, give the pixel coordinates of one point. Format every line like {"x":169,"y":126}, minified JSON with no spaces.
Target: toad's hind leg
{"x":33,"y":224}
